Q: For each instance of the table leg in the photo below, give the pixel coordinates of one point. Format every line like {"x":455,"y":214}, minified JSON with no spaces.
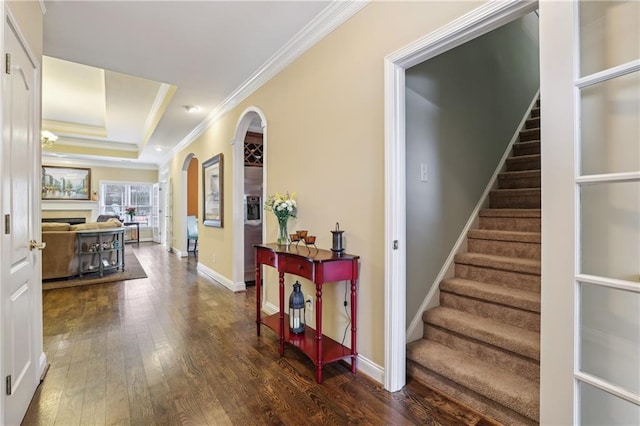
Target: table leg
{"x":258,"y":299}
{"x":319,"y":332}
{"x":354,"y":311}
{"x":281,"y":281}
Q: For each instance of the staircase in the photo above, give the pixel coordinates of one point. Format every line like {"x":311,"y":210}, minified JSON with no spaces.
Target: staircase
{"x":481,"y":346}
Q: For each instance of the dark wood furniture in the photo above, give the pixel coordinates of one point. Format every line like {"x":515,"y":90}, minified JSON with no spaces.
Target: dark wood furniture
{"x":137,"y":235}
{"x":319,"y":266}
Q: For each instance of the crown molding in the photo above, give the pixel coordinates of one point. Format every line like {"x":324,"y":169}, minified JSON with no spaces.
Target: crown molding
{"x":334,"y":15}
{"x":96,"y":144}
{"x":54,"y":160}
{"x":64,"y":127}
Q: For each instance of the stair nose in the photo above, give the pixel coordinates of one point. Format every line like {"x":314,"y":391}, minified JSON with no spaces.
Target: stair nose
{"x":530,"y":135}
{"x":520,"y":179}
{"x":526,"y":220}
{"x":524,"y":245}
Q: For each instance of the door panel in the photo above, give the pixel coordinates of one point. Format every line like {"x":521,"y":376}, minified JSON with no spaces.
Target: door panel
{"x":608,"y":214}
{"x":19,"y":111}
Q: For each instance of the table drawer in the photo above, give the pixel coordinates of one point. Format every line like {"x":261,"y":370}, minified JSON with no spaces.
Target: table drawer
{"x":266,"y":257}
{"x":301,"y":267}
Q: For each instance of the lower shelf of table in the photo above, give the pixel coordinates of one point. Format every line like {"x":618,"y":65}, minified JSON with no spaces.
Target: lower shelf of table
{"x":331,"y":350}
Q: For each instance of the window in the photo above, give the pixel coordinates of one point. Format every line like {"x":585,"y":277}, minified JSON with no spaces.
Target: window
{"x":116,"y":197}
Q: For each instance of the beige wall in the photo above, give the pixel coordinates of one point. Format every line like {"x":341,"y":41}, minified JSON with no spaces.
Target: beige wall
{"x":326,"y":142}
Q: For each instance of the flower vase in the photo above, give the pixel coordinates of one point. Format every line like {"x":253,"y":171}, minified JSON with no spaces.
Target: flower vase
{"x":130,"y":218}
{"x":283,"y":235}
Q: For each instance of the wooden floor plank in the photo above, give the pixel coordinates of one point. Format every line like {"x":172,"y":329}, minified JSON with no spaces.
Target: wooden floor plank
{"x":177,"y":348}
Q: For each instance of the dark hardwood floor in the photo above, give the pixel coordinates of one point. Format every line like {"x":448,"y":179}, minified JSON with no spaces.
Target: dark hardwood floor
{"x":177,"y":348}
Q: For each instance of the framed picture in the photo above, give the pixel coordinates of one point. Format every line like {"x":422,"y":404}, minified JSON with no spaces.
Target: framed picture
{"x":212,"y":194}
{"x":66,"y":183}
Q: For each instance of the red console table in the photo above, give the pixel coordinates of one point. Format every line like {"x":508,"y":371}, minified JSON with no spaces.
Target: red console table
{"x":319,"y":266}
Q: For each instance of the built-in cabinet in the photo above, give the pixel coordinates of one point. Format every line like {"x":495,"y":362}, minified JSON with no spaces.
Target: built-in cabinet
{"x":100,"y":251}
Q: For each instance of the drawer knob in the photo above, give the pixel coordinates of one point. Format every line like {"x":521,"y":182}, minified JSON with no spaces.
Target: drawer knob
{"x":299,"y":267}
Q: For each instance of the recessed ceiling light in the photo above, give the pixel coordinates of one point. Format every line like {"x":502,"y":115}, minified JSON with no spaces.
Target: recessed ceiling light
{"x":158,"y":148}
{"x":191,"y":108}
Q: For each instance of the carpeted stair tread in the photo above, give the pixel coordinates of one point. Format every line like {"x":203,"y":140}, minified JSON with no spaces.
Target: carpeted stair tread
{"x":534,"y":213}
{"x":523,"y":162}
{"x":526,"y":148}
{"x":503,"y":263}
{"x":513,"y":391}
{"x":532,"y":123}
{"x":498,"y":235}
{"x":505,"y":336}
{"x":529,"y":134}
{"x":522,"y":198}
{"x":493,"y":293}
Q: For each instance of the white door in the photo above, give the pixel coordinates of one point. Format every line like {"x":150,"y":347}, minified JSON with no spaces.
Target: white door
{"x":168,"y":215}
{"x":590,"y":118}
{"x":19,"y":280}
{"x":607,"y":100}
{"x":156,"y":211}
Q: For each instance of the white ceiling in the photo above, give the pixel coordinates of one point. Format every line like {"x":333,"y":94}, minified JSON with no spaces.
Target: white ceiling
{"x":139,"y":52}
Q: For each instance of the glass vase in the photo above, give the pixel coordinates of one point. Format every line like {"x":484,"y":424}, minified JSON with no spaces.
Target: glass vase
{"x":283,"y":235}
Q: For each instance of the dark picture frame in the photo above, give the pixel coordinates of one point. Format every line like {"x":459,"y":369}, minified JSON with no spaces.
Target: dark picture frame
{"x":212,"y":191}
{"x":66,"y":183}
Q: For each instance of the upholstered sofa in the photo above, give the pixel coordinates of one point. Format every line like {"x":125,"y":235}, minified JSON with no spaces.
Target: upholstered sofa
{"x":60,"y":257}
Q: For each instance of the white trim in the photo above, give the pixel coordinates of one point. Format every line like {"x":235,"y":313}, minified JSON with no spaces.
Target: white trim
{"x":415,"y":330}
{"x":269,"y":308}
{"x":219,"y":278}
{"x":43,"y":8}
{"x":608,"y":74}
{"x":55,"y":159}
{"x":247,"y":116}
{"x":479,"y":21}
{"x":609,"y":282}
{"x":42,"y":365}
{"x":178,"y":253}
{"x":608,"y":387}
{"x":334,"y":15}
{"x":609,"y":177}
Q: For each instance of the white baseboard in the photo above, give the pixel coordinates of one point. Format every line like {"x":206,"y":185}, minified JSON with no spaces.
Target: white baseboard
{"x":269,"y":308}
{"x":416,"y":327}
{"x":42,"y":365}
{"x":178,"y":252}
{"x":235,"y":287}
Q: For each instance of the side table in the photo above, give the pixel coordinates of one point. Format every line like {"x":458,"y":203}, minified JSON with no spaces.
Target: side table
{"x":320,"y":266}
{"x":137,"y":238}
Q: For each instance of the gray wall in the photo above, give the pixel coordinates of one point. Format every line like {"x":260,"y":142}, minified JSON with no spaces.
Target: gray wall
{"x":462,"y":108}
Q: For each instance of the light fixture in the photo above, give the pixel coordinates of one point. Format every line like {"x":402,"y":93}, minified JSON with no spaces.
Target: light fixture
{"x":47,"y":139}
{"x":191,"y":108}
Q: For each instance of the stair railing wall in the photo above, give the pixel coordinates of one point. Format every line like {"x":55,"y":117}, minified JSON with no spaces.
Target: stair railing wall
{"x":432,"y":299}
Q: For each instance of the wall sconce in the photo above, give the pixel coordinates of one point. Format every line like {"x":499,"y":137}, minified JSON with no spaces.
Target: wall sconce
{"x":47,"y":139}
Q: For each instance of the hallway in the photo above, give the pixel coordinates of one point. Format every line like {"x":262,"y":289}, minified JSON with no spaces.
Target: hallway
{"x":178,"y":348}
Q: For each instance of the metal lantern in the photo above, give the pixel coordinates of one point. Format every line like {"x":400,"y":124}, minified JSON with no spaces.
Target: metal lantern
{"x":296,"y":310}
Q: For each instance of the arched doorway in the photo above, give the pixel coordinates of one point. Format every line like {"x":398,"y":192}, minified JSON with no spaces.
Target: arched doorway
{"x":186,"y":200}
{"x":249,"y":189}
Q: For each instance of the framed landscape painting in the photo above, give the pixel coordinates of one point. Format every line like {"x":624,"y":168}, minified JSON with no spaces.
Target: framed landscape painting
{"x":66,"y":183}
{"x":212,"y":179}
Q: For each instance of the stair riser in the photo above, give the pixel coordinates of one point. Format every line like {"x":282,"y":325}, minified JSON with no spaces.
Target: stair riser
{"x":484,"y":405}
{"x":511,"y":224}
{"x":529,"y":148}
{"x":532,"y":123}
{"x":509,"y":182}
{"x":509,"y":201}
{"x":518,"y":164}
{"x":505,"y":248}
{"x":509,"y":361}
{"x":535,"y":113}
{"x":509,"y":279}
{"x":529,"y":135}
{"x":512,"y":316}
